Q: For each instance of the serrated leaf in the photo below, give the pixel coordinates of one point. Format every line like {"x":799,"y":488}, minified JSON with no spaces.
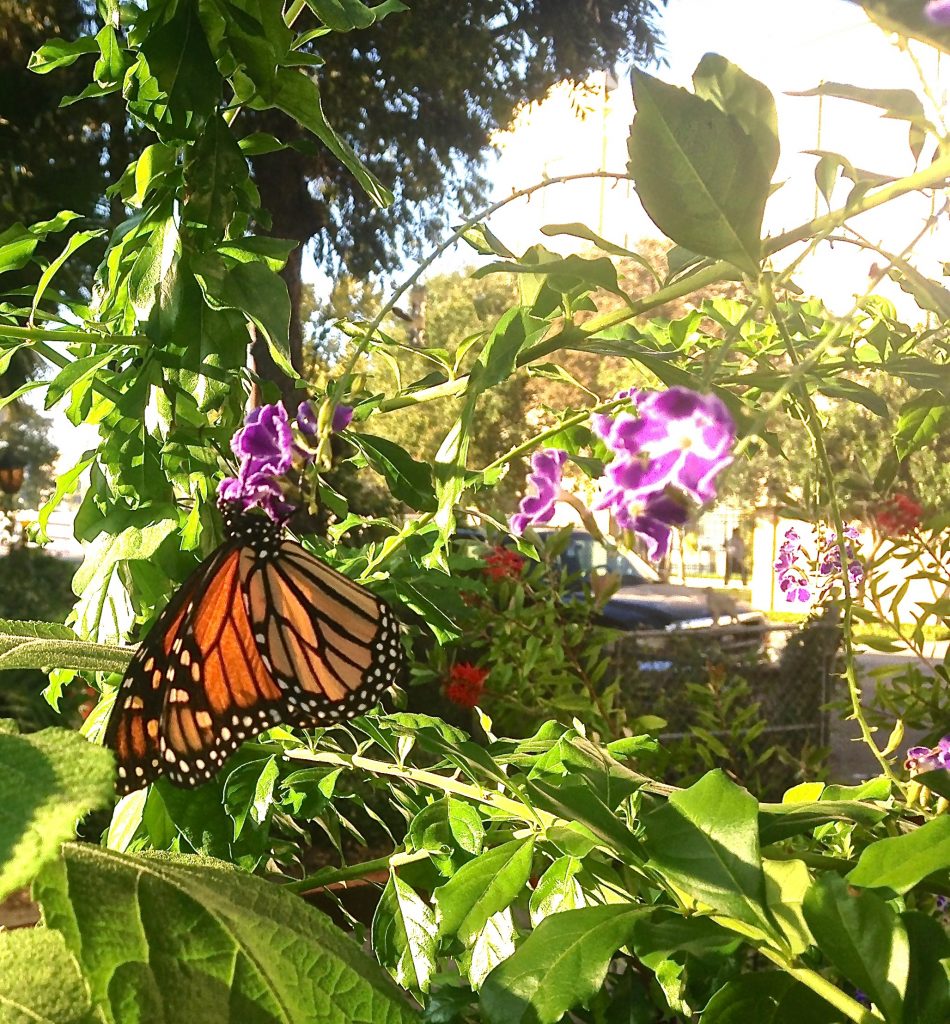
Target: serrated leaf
{"x":40,"y":981}
{"x":193,"y":939}
{"x":48,"y":779}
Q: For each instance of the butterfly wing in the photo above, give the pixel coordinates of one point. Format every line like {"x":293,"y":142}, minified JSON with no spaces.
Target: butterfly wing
{"x":331,"y":645}
{"x":256,"y":636}
{"x":136,"y":725}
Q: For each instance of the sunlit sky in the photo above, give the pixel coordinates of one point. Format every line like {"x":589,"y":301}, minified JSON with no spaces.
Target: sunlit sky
{"x":789,"y":47}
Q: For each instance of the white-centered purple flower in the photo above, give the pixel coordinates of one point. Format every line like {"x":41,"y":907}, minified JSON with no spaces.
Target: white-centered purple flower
{"x":792,"y":579}
{"x":544,"y":485}
{"x":265,"y":445}
{"x":938,"y":11}
{"x":830,"y":564}
{"x":679,"y":438}
{"x":929,"y":759}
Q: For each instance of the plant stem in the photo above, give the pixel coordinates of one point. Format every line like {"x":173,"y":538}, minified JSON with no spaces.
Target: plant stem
{"x":813,"y":424}
{"x":328,"y":876}
{"x":930,"y":177}
{"x":425,"y":778}
{"x":70,"y":337}
{"x":820,"y":985}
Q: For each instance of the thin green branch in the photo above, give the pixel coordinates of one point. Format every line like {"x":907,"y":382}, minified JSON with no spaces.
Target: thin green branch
{"x":930,"y":177}
{"x":70,"y":337}
{"x":332,"y":876}
{"x":821,"y":986}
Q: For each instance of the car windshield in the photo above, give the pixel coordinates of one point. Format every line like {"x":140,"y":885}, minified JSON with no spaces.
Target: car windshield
{"x":585,"y":555}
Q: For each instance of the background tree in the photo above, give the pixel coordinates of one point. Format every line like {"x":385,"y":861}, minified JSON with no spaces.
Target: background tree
{"x":419,"y":97}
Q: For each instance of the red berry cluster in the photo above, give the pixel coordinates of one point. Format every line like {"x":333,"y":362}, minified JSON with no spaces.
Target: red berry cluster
{"x":899,"y":515}
{"x":503,"y":563}
{"x":465,"y":684}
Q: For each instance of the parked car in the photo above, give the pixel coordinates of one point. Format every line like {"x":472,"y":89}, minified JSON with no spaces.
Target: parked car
{"x":644,"y":602}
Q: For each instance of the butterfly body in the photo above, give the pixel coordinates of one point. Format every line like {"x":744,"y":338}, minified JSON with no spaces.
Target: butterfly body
{"x":262,"y":633}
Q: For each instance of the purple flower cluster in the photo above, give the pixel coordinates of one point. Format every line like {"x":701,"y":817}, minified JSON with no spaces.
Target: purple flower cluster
{"x":268,"y":452}
{"x":665,"y":459}
{"x":544,"y":485}
{"x":929,"y":759}
{"x":830,"y":564}
{"x":938,"y":11}
{"x":792,"y":580}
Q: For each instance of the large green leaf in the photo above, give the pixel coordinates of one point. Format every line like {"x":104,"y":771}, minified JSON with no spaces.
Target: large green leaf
{"x":40,"y":981}
{"x":405,"y":935}
{"x":863,"y":937}
{"x":346,"y":15}
{"x":767,"y":997}
{"x":702,"y":178}
{"x":258,"y":292}
{"x":927,"y":999}
{"x":48,"y":779}
{"x":481,"y":888}
{"x":561,"y":964}
{"x":901,"y":862}
{"x":779,"y":821}
{"x":163,"y":938}
{"x":705,"y":840}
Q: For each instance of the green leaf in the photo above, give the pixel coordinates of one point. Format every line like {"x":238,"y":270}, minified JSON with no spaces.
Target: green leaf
{"x":495,"y":943}
{"x":40,"y":981}
{"x":786,"y":882}
{"x":405,"y":935}
{"x":897,"y":103}
{"x":744,"y":98}
{"x":214,"y":169}
{"x":182,"y":63}
{"x":465,"y":824}
{"x":779,"y":821}
{"x":47,"y":780}
{"x":920,"y":421}
{"x":481,"y":888}
{"x":852,"y":391}
{"x":259,"y":293}
{"x":576,"y":230}
{"x":560,"y":965}
{"x":860,"y":934}
{"x":60,"y":53}
{"x":899,"y":863}
{"x":557,"y":890}
{"x":702,"y":178}
{"x":768,"y":997}
{"x":74,"y":373}
{"x":193,"y":939}
{"x":76,"y":241}
{"x":408,"y":480}
{"x":927,"y":999}
{"x":17,"y":246}
{"x":705,"y":840}
{"x":297,"y":95}
{"x":346,"y":15}
{"x":49,"y":644}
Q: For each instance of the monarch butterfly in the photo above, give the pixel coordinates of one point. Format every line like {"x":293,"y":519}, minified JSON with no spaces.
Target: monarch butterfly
{"x":261,"y":633}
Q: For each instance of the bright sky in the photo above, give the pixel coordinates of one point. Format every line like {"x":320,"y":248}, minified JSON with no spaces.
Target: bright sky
{"x":788,"y":46}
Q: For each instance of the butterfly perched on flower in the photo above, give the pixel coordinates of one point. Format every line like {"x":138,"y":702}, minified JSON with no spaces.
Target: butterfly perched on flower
{"x":262,"y":633}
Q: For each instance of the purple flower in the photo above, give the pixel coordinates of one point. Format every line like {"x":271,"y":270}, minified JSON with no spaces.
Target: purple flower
{"x":654,"y":521}
{"x":678,"y":438}
{"x":929,"y":759}
{"x":545,"y":481}
{"x":307,"y":418}
{"x":831,"y":555}
{"x":267,"y":452}
{"x":792,"y":580}
{"x":938,"y":11}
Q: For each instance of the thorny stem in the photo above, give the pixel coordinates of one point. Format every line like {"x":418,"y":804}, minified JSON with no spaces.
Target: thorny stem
{"x":813,"y":424}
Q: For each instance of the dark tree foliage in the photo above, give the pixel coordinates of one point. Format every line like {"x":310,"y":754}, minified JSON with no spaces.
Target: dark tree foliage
{"x":419,"y":96}
{"x":52,"y":157}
